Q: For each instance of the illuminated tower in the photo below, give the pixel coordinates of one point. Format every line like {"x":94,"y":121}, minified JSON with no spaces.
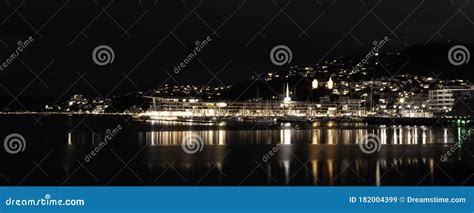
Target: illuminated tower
{"x":330,"y":83}
{"x":287,"y":94}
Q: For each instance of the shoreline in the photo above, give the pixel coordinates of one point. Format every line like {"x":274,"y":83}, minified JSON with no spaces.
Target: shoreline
{"x":458,"y":121}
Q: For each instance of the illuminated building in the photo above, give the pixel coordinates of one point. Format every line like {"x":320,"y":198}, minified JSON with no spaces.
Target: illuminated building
{"x":442,"y":100}
{"x":315,"y":84}
{"x":287,"y":98}
{"x":330,"y":84}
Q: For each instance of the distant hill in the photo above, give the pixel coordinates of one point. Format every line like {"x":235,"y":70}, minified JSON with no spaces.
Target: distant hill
{"x":433,"y":58}
{"x":425,"y":60}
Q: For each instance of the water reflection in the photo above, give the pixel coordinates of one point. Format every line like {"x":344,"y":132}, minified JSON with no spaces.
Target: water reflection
{"x":358,"y":172}
{"x":331,"y":135}
{"x":324,"y":154}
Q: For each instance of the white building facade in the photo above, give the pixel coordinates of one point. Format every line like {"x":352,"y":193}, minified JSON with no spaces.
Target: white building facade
{"x":442,"y":100}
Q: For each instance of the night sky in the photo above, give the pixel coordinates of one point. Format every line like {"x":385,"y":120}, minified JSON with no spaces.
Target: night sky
{"x":150,"y":38}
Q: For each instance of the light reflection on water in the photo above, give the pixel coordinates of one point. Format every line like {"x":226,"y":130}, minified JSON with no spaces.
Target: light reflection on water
{"x":331,"y":172}
{"x":304,"y":158}
{"x":318,"y":154}
{"x":316,"y":135}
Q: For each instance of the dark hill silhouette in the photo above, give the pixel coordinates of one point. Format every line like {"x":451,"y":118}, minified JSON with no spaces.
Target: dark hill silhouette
{"x":431,"y":59}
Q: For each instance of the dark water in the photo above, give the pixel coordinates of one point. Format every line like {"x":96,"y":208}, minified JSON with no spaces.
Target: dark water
{"x":142,"y":153}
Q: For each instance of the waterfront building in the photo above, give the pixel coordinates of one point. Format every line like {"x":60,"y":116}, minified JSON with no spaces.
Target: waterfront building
{"x":325,"y":99}
{"x":175,"y":108}
{"x":350,"y":106}
{"x":442,"y":100}
{"x":330,"y":84}
{"x":415,"y":107}
{"x":419,"y":100}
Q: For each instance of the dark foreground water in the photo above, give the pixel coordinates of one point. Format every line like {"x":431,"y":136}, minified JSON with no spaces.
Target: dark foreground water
{"x":59,"y":149}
